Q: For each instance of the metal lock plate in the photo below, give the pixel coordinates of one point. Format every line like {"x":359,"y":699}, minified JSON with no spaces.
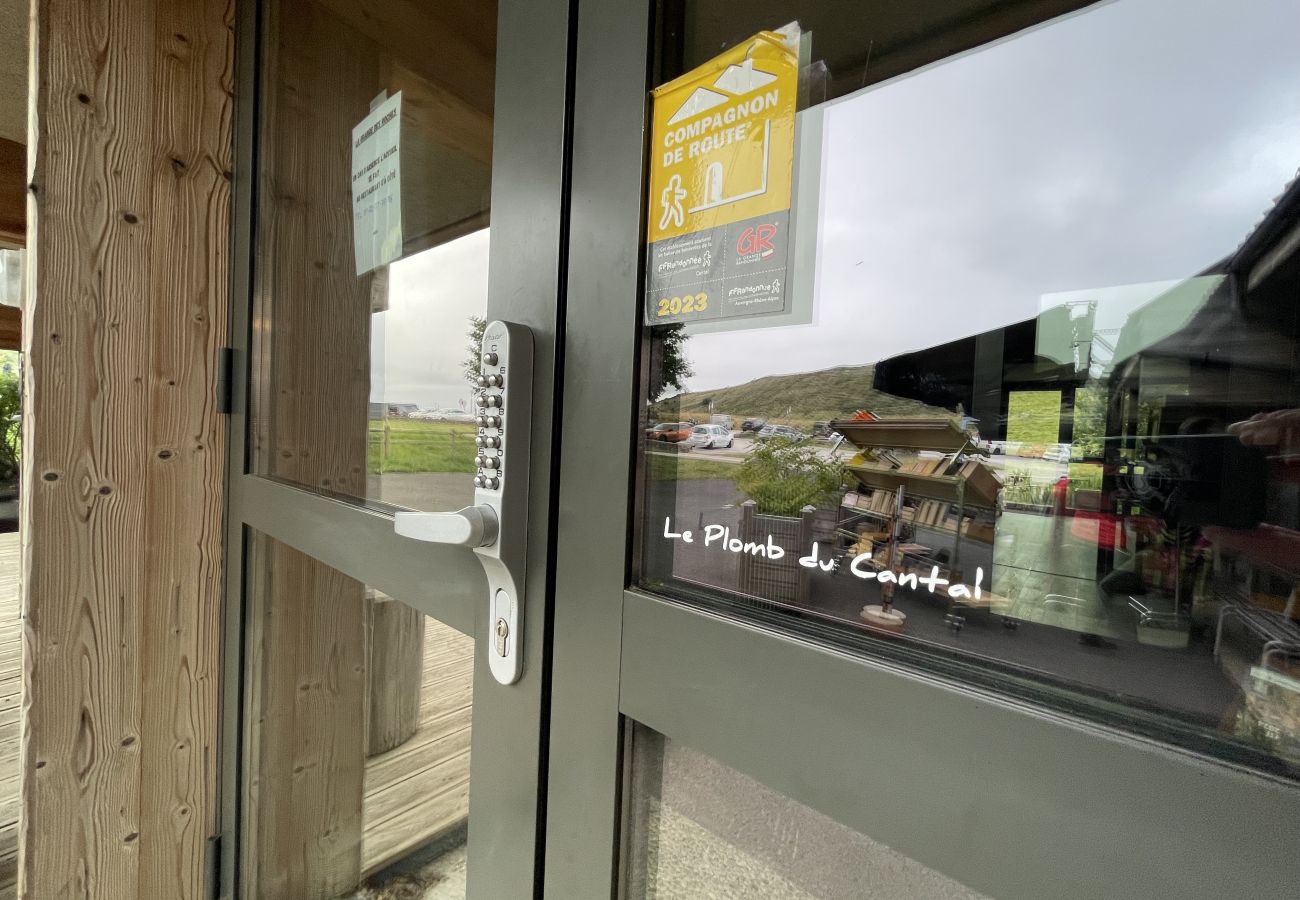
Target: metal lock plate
{"x":496,"y":526}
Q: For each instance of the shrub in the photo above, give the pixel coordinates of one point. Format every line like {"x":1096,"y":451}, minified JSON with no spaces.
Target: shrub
{"x":10,"y":432}
{"x":783,"y":476}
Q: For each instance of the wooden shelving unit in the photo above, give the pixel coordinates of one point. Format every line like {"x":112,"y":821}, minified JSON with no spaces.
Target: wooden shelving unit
{"x":961,"y":478}
{"x":907,"y":434}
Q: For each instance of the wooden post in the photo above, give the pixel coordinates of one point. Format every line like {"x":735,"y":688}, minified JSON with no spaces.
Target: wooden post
{"x":745,"y":574}
{"x":124,"y":450}
{"x":396,"y":670}
{"x":882,"y":615}
{"x":803,"y":587}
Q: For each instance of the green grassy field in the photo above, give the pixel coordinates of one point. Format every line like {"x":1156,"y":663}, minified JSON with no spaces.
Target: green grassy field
{"x":667,"y":467}
{"x":799,"y":399}
{"x":414,"y":445}
{"x":1085,"y":476}
{"x":1033,"y":487}
{"x":1034,"y":417}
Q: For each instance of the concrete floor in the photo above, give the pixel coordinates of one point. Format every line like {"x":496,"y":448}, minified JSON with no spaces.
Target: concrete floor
{"x":442,"y":878}
{"x":436,"y":872}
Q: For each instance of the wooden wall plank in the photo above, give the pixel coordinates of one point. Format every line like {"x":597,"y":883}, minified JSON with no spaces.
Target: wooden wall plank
{"x":127,"y":307}
{"x":11,"y":328}
{"x":85,"y":497}
{"x":439,"y":116}
{"x":13,"y":192}
{"x":181,"y":641}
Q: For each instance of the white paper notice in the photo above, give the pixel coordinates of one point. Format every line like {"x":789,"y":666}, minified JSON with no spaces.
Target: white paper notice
{"x":377,"y":186}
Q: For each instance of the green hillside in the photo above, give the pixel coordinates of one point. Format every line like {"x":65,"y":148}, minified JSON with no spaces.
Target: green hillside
{"x":798,"y":399}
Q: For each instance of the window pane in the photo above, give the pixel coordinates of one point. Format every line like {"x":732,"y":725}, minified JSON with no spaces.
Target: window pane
{"x":1043,"y":431}
{"x":361,"y":330}
{"x":357,"y":756}
{"x":700,"y":829}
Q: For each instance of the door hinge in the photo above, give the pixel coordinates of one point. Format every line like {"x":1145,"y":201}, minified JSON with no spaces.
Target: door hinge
{"x":225,"y":380}
{"x":212,"y":868}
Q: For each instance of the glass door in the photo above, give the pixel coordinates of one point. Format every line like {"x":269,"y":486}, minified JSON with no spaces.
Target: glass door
{"x":963,"y":563}
{"x":400,"y":174}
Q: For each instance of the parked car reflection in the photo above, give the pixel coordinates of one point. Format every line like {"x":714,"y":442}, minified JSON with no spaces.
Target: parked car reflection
{"x":788,"y":432}
{"x":707,"y":437}
{"x":669,"y":432}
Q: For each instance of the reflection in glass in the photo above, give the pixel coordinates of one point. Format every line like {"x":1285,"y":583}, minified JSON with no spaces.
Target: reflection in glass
{"x":359,"y":388}
{"x":1047,"y":420}
{"x":359,"y":742}
{"x":700,"y":829}
{"x":423,"y":343}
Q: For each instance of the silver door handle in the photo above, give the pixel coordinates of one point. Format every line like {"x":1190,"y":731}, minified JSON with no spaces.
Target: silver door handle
{"x":496,"y":526}
{"x":473,"y":526}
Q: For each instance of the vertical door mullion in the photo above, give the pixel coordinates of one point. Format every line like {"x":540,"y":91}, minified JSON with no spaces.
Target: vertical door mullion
{"x":599,"y":421}
{"x":529,"y":158}
{"x":222,"y":863}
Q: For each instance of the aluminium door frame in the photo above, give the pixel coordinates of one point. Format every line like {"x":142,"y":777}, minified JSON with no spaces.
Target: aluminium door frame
{"x":529,"y":178}
{"x":1010,"y":798}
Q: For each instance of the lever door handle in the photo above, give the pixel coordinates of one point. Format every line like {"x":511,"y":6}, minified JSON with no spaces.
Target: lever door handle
{"x":473,"y":526}
{"x":496,"y":526}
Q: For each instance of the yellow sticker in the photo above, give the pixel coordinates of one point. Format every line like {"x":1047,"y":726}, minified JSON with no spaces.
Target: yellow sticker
{"x":722,"y":161}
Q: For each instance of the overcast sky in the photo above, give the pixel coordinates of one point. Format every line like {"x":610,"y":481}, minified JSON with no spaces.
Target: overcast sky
{"x":418,"y":345}
{"x":1137,"y":142}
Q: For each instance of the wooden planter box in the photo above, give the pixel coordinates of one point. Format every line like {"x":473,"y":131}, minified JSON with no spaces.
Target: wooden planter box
{"x":781,"y":580}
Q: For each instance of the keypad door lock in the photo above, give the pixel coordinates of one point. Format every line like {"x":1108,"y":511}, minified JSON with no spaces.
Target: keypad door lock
{"x":496,"y":525}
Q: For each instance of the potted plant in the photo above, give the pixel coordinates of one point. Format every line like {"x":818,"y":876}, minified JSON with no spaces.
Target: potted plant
{"x":787,"y":482}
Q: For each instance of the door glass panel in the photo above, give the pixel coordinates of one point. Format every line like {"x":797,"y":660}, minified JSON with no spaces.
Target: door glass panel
{"x":1043,"y":431}
{"x":359,"y":737}
{"x":362,"y":327}
{"x":698,"y":828}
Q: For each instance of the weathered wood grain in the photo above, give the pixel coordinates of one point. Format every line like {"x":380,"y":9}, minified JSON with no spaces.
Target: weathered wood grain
{"x":85,"y":490}
{"x":402,"y":808}
{"x":181,"y":640}
{"x":124,"y":449}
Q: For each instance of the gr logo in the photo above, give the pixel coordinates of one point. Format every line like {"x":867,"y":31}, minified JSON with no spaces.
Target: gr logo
{"x":757,"y":239}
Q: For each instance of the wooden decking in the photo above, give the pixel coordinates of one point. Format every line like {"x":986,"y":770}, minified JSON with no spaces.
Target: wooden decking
{"x":11,"y":687}
{"x":419,"y":791}
{"x":414,"y":793}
